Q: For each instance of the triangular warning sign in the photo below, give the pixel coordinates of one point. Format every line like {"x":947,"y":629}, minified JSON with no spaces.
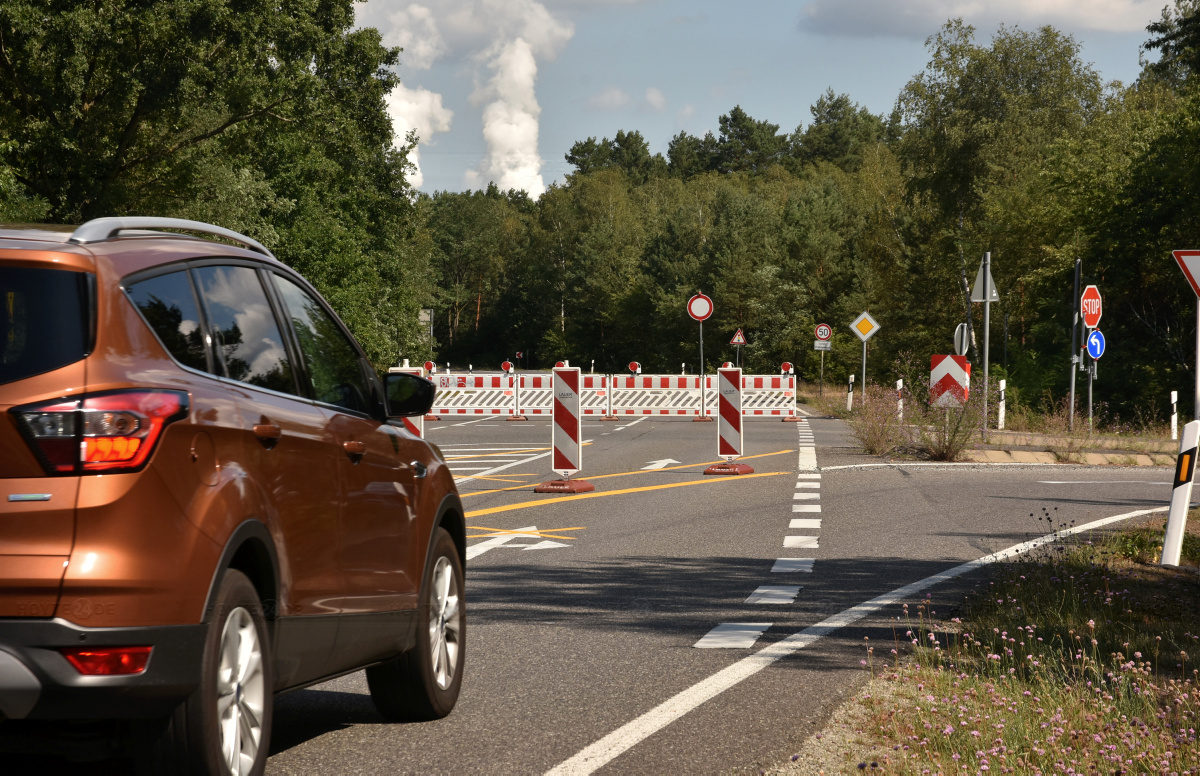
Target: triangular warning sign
{"x":977,"y":289}
{"x":738,"y":339}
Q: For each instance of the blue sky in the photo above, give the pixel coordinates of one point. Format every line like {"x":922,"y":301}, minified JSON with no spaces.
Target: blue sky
{"x":500,"y":89}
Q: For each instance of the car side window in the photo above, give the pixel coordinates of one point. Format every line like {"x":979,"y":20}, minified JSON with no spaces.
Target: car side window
{"x":246,"y":339}
{"x":332,"y":361}
{"x":168,"y":304}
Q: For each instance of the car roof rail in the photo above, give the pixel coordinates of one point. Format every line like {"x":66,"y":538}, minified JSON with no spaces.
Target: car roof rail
{"x":101,"y":229}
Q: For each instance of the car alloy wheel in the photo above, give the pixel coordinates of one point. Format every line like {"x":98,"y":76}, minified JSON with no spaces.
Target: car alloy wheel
{"x":445,"y":623}
{"x":241,"y":692}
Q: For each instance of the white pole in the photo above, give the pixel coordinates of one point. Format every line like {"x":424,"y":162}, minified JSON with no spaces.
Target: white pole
{"x":1181,"y":495}
{"x":850,"y":394}
{"x":1000,"y":412}
{"x":900,"y":400}
{"x":1174,"y":415}
{"x":987,"y":333}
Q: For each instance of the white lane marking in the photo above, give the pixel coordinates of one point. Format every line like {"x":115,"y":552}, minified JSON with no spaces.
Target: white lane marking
{"x":806,"y":507}
{"x":469,"y":422}
{"x":502,"y":468}
{"x":787,"y":565}
{"x":805,"y":522}
{"x":967,"y":463}
{"x":455,"y":461}
{"x":542,"y":545}
{"x":469,"y":448}
{"x":801,"y":542}
{"x":774,"y":594}
{"x":808,"y":485}
{"x":658,"y":464}
{"x":604,"y":751}
{"x":803,"y":496}
{"x":634,"y":423}
{"x":456,"y":468}
{"x":1100,"y":482}
{"x":805,"y":413}
{"x":727,"y":635}
{"x":475,"y":550}
{"x":807,"y":459}
{"x":808,"y":476}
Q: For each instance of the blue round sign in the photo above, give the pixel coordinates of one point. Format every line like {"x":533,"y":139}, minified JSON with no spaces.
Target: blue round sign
{"x":1095,"y":344}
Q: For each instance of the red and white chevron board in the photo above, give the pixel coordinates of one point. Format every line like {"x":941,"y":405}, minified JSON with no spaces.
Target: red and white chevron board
{"x":949,"y":381}
{"x":729,"y":413}
{"x":416,"y":424}
{"x":566,"y":437}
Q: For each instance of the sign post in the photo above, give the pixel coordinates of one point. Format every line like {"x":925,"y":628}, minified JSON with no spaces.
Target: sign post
{"x":1074,"y":345}
{"x":566,"y":436}
{"x":865,"y":327}
{"x":823,"y":333}
{"x":1189,"y":262}
{"x":739,"y":339}
{"x":1181,"y":495}
{"x":1095,"y":349}
{"x":729,"y":423}
{"x":700,"y":307}
{"x":985,"y":291}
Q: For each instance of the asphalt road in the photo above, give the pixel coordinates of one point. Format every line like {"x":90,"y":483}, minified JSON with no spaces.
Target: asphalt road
{"x":587,"y":613}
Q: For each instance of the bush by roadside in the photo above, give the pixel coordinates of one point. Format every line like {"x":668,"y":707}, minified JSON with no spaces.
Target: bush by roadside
{"x":1080,"y":659}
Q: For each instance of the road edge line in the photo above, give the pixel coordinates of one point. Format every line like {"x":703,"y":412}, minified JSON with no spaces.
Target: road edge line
{"x":624,"y":738}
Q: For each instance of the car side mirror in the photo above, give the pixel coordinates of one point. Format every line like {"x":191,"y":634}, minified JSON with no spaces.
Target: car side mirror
{"x":407,"y":395}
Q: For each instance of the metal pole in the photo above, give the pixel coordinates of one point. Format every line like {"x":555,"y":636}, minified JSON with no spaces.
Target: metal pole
{"x":822,"y":383}
{"x":703,"y":372}
{"x":987,"y":333}
{"x":1091,"y":374}
{"x":864,"y":380}
{"x":1196,"y":406}
{"x":1075,"y":343}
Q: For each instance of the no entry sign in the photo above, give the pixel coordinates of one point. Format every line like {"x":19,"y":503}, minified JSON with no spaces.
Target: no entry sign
{"x":949,"y":381}
{"x":1092,"y":306}
{"x":700,"y":307}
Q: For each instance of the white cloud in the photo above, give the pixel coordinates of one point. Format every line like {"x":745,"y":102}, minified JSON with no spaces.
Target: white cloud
{"x":685,"y":113}
{"x":611,"y":98}
{"x":510,"y":123}
{"x":655,"y":98}
{"x":922,"y":18}
{"x":420,"y":110}
{"x":415,"y":29}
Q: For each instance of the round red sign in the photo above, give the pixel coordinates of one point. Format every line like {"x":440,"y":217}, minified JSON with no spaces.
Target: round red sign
{"x":559,"y":364}
{"x":785,"y":367}
{"x":430,"y":366}
{"x":634,"y":366}
{"x":823,"y":331}
{"x":506,"y":366}
{"x":700,"y":307}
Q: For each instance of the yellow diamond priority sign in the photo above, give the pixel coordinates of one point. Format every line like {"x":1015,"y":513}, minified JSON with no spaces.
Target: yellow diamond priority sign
{"x":865,"y":326}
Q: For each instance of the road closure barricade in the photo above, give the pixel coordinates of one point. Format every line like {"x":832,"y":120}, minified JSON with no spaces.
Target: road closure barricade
{"x":609,"y":395}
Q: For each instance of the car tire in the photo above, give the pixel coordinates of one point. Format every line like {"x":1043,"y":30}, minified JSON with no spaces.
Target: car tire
{"x":225,"y":726}
{"x":423,"y":684}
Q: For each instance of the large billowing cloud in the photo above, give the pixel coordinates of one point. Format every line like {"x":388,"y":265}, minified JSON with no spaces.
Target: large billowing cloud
{"x":921,"y":18}
{"x":421,"y":111}
{"x":501,"y":42}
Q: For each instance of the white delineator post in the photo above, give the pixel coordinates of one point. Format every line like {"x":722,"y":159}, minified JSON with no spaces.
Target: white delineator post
{"x":566,"y":438}
{"x":900,"y":400}
{"x":850,"y":394}
{"x":729,"y":423}
{"x":1181,"y":495}
{"x":1000,"y":412}
{"x":1174,"y":415}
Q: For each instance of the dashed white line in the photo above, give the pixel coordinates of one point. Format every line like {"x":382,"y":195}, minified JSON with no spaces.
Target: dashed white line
{"x":774,"y":594}
{"x":805,"y":496}
{"x":800,"y":542}
{"x":730,"y":635}
{"x":805,"y":522}
{"x":806,"y":507}
{"x":807,"y":485}
{"x":788,"y":565}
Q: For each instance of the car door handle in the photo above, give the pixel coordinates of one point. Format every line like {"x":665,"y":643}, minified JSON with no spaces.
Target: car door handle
{"x":268,"y":434}
{"x":419,"y":470}
{"x":354,"y":449}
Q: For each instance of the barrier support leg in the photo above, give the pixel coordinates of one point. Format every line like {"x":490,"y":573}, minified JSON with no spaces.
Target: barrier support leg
{"x":730,"y":467}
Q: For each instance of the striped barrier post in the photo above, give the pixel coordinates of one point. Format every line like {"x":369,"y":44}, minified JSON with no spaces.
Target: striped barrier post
{"x":729,"y":423}
{"x":516,"y":387}
{"x":610,"y":387}
{"x":566,"y":437}
{"x":1181,"y":494}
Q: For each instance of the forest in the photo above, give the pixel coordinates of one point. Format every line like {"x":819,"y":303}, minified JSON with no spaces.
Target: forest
{"x":1007,"y":142}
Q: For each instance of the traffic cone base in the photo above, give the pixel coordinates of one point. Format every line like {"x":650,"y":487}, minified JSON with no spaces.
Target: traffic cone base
{"x":431,"y":416}
{"x":610,"y":417}
{"x":794,"y":419}
{"x":516,"y":417}
{"x":729,"y":468}
{"x":702,"y":419}
{"x":565,"y":486}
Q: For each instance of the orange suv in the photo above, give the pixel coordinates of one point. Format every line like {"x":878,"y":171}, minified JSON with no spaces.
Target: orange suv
{"x":209,"y":497}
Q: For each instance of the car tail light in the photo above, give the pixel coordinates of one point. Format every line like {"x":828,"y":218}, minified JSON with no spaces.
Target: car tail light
{"x":108,"y":661}
{"x":103,"y":432}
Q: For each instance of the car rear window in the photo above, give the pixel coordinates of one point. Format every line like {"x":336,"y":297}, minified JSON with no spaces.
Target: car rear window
{"x":169,"y":305}
{"x":45,"y":320}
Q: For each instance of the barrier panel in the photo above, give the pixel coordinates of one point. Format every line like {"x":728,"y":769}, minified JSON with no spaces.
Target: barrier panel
{"x":601,"y":395}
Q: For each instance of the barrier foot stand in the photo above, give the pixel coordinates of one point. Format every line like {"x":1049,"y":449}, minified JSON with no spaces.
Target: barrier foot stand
{"x":565,"y":486}
{"x":702,"y":419}
{"x":794,"y":419}
{"x":516,"y":417}
{"x":729,"y":467}
{"x":610,"y":417}
{"x":431,"y":416}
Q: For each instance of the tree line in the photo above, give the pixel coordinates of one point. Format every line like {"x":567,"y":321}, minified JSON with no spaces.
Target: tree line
{"x":270,"y":119}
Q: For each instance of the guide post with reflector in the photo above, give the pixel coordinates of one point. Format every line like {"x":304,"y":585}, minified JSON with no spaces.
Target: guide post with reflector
{"x":566,"y":436}
{"x":1181,"y":494}
{"x":729,"y":423}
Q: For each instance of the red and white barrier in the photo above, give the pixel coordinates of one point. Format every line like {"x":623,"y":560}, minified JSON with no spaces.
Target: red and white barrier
{"x":949,"y":381}
{"x":566,"y":438}
{"x":729,"y":422}
{"x":415,"y":425}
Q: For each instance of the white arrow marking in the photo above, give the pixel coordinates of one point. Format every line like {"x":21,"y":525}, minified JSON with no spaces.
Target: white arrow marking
{"x":659,"y":464}
{"x":543,"y":545}
{"x":475,"y":550}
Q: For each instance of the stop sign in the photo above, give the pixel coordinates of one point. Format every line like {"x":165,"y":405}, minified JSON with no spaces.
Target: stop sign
{"x":1091,"y":306}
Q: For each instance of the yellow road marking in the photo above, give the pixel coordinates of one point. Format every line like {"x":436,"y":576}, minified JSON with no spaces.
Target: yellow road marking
{"x":492,"y":455}
{"x":626,"y":474}
{"x":601,"y":494}
{"x":504,"y":477}
{"x":544,"y":533}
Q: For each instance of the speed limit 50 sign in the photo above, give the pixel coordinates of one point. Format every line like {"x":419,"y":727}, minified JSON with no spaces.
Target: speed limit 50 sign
{"x":823,"y":331}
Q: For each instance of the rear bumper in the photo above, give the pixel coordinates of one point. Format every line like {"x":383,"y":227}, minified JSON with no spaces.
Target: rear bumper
{"x":37,"y":682}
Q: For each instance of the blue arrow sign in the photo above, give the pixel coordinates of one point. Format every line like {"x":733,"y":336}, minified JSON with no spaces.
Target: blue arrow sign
{"x":1095,"y":344}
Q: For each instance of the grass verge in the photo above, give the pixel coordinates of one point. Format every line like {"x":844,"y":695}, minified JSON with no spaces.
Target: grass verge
{"x":1079,"y":659}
